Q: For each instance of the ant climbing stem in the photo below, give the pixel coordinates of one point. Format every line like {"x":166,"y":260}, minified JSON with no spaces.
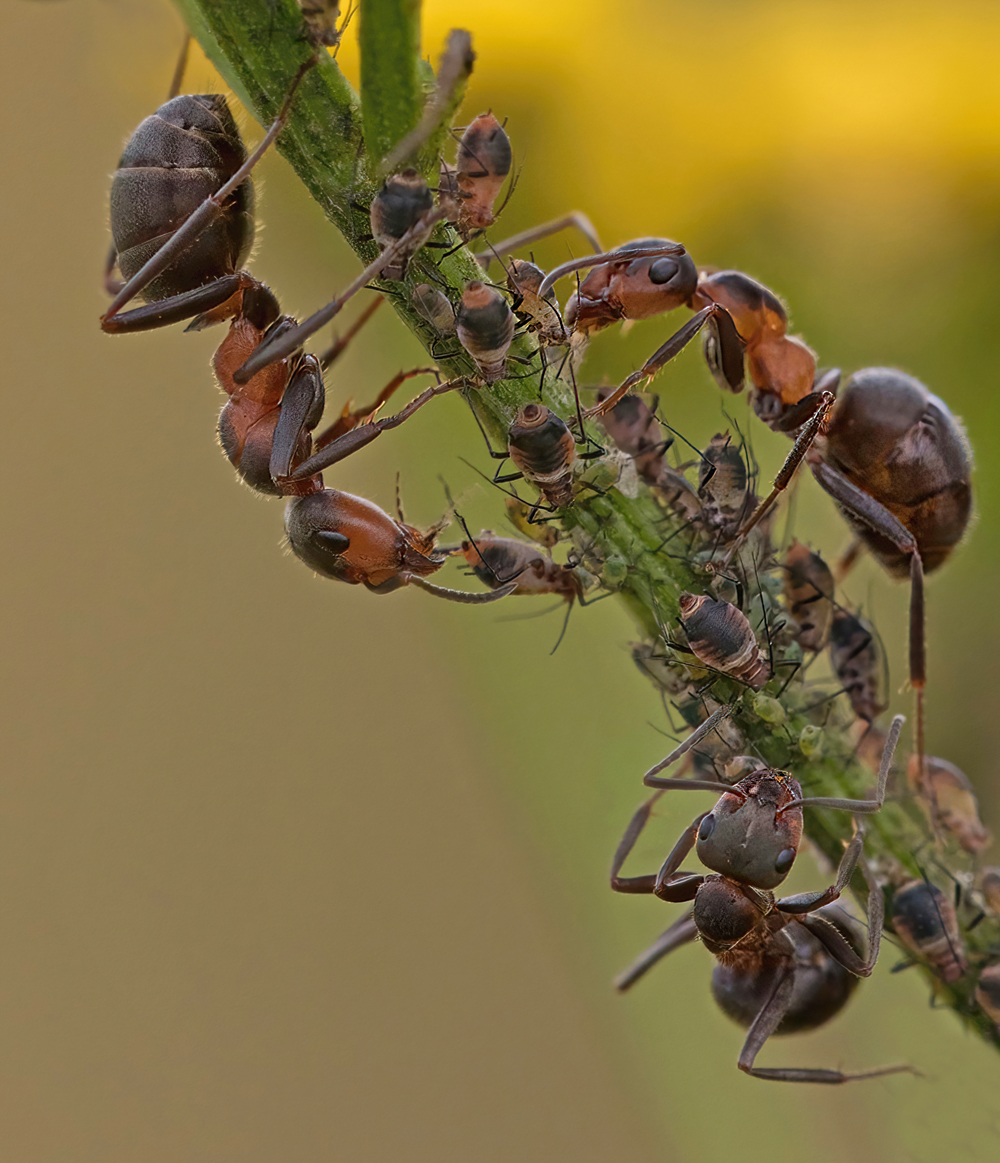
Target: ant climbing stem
{"x":185,"y":236}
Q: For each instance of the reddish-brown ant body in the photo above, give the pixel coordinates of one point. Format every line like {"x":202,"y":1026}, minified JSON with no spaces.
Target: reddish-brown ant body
{"x":351,"y":539}
{"x":924,"y":920}
{"x":770,"y":977}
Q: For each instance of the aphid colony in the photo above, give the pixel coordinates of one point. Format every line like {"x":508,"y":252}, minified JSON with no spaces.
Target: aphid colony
{"x":756,"y":617}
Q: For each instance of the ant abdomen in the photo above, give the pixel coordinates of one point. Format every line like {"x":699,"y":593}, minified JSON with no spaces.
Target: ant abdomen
{"x":176,"y":159}
{"x":822,"y":986}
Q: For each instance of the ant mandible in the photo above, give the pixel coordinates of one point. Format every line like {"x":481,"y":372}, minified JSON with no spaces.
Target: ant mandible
{"x":783,"y":965}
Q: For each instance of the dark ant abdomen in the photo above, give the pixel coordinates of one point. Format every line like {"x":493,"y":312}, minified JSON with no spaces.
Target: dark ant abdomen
{"x":176,"y":159}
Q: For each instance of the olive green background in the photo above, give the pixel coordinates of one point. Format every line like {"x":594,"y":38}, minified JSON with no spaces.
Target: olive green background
{"x":292,"y":872}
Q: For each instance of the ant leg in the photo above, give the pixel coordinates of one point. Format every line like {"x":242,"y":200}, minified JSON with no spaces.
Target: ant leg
{"x":356,"y":438}
{"x":767,"y":1021}
{"x":336,"y":349}
{"x":684,"y":887}
{"x":650,"y":780}
{"x":301,"y":410}
{"x":730,"y":343}
{"x":470,"y":599}
{"x":681,"y":932}
{"x":803,"y":443}
{"x":537,"y":233}
{"x":594,"y":260}
{"x":859,"y":807}
{"x":271,"y":352}
{"x":351,"y":418}
{"x":185,"y":236}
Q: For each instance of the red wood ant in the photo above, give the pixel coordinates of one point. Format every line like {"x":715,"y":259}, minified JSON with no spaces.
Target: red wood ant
{"x":783,"y":965}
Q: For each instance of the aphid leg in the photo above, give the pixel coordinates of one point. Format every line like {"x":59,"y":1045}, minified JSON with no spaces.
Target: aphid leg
{"x":202,"y":217}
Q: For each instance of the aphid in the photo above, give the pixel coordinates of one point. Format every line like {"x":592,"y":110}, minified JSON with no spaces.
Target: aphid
{"x":858,"y":663}
{"x":924,"y":920}
{"x":541,"y":315}
{"x":485,"y":325}
{"x":782,"y":369}
{"x":634,"y":429}
{"x":724,"y":487}
{"x":987,"y":993}
{"x":350,"y":539}
{"x":435,"y":307}
{"x":543,"y":448}
{"x":402,"y":201}
{"x":320,"y":19}
{"x":182,"y":212}
{"x":989,"y":884}
{"x":473,"y":184}
{"x":779,"y":961}
{"x":496,"y":561}
{"x":954,"y":804}
{"x":809,"y":590}
{"x":721,"y":637}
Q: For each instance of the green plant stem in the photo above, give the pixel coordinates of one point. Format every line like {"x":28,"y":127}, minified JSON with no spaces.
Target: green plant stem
{"x":257,"y":47}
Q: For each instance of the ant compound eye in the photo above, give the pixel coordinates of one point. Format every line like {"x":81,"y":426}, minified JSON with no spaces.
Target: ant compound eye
{"x":663,"y":270}
{"x":708,"y":827}
{"x":331,"y":542}
{"x":785,"y":861}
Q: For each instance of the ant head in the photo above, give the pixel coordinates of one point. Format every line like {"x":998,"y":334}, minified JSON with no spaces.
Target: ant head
{"x":745,"y":838}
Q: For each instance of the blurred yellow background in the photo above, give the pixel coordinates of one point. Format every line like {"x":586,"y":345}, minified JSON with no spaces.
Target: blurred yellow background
{"x":290,"y":871}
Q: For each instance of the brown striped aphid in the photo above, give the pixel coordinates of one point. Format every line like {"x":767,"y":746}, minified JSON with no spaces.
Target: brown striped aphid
{"x":403,"y":200}
{"x":720,"y":635}
{"x":485,"y":325}
{"x":809,"y":590}
{"x":352,"y":540}
{"x":859,"y":664}
{"x":435,"y":307}
{"x":954,"y":806}
{"x":540,"y":315}
{"x":471,"y":187}
{"x":498,"y":561}
{"x":725,"y":487}
{"x":634,"y":429}
{"x":924,"y":920}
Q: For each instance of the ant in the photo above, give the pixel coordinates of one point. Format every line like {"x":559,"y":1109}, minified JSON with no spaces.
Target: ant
{"x":182,"y":213}
{"x":783,"y":965}
{"x":350,"y":539}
